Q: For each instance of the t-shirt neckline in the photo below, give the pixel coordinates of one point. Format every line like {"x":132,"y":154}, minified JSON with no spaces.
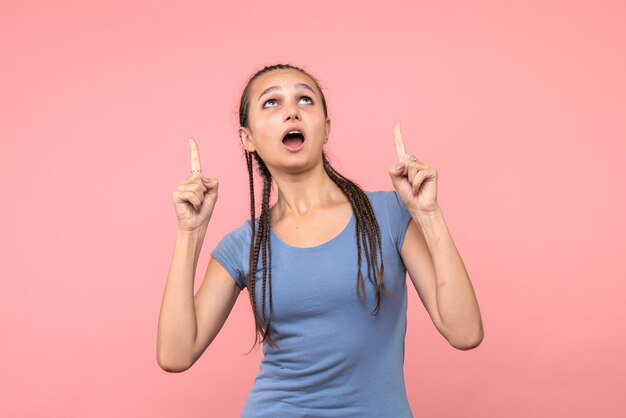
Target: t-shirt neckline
{"x":320,"y":246}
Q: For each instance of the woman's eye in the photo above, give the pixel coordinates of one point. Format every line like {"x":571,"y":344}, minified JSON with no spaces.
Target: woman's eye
{"x":307,"y":99}
{"x":269,"y":103}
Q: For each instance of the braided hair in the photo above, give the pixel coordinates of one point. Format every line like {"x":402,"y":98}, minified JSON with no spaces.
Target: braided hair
{"x":368,"y":239}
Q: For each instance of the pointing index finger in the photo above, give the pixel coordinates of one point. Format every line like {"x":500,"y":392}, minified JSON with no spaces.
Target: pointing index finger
{"x":195,"y":156}
{"x":397,"y":139}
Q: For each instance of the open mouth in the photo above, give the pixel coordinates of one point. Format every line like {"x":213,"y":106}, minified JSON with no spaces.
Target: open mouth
{"x":293,"y":139}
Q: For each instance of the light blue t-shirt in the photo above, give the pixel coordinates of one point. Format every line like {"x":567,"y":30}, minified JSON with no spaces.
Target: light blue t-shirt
{"x":335,"y":359}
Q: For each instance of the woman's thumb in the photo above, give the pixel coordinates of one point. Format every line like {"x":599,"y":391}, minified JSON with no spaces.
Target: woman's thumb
{"x":396,"y":170}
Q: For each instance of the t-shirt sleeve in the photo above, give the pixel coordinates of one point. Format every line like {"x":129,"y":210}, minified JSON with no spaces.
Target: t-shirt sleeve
{"x":230,"y":252}
{"x":399,"y":217}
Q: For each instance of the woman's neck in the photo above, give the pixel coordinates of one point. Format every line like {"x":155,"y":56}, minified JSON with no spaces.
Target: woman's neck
{"x":300,"y":195}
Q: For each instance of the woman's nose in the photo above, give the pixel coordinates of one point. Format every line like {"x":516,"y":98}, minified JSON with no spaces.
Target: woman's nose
{"x":292,"y":113}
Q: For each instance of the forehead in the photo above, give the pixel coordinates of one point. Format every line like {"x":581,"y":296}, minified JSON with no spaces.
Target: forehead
{"x":286,"y":79}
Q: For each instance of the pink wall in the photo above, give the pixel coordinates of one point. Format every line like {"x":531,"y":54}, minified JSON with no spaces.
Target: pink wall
{"x":521,"y":106}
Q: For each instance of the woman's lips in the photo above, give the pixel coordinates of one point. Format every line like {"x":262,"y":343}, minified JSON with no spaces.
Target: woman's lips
{"x":293,"y":140}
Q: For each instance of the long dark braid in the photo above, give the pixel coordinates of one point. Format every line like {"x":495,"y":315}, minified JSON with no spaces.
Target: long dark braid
{"x":255,"y":245}
{"x":368,"y":238}
{"x":367,"y":233}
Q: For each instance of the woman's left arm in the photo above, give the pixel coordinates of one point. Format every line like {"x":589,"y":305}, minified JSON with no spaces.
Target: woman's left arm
{"x":441,"y":280}
{"x":430,"y":256}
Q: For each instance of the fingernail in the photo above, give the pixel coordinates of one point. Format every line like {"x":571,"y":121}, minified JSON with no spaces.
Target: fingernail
{"x":399,"y":167}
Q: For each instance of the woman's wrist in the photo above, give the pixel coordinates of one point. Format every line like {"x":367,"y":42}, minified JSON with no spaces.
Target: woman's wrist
{"x":191,"y":240}
{"x":191,"y":232}
{"x":426,"y":216}
{"x":432,"y":223}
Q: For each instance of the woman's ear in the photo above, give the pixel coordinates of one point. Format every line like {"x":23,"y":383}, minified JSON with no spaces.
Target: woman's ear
{"x":244,"y":137}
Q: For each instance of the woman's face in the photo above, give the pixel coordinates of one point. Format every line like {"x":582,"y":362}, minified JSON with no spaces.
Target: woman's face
{"x":286,"y":122}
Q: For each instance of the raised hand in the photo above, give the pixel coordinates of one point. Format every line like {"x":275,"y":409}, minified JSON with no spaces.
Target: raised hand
{"x":195,"y":196}
{"x":414,"y":180}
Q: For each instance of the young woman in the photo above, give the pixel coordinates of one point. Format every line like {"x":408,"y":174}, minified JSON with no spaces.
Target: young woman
{"x":324,"y":266}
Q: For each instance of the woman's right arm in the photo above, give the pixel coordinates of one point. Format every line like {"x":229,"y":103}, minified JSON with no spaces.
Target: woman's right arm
{"x":188,"y":323}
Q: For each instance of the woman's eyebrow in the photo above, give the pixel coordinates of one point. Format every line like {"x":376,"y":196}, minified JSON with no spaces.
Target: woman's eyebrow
{"x":299,"y":86}
{"x":304,"y":86}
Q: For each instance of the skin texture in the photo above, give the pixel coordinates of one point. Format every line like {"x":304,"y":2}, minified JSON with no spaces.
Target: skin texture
{"x":310,"y":210}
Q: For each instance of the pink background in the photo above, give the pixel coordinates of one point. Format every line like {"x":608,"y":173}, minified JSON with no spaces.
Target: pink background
{"x":521,"y":106}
